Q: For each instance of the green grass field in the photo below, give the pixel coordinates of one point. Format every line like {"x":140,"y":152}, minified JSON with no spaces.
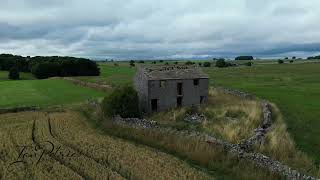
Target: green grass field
{"x":295,"y":88}
{"x":43,"y":93}
{"x":23,"y":76}
{"x":113,"y":75}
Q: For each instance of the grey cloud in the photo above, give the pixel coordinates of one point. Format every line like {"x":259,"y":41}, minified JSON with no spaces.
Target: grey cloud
{"x":153,"y":29}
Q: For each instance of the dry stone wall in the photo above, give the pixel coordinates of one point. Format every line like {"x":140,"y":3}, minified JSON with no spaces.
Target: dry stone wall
{"x":244,"y":149}
{"x":136,"y":122}
{"x":101,"y":87}
{"x":18,"y":109}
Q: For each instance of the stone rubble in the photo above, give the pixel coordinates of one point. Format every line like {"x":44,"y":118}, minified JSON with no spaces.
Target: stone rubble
{"x":136,"y":122}
{"x":194,"y":118}
{"x":237,"y":93}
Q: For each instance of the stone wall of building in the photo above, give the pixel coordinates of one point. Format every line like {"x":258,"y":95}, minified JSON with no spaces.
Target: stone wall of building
{"x":141,"y":86}
{"x":168,"y":95}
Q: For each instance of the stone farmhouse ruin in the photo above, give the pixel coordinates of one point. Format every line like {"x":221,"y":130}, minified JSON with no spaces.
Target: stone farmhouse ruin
{"x":164,"y":87}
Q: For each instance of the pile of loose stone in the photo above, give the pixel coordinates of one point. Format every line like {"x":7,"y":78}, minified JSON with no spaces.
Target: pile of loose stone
{"x":237,"y":93}
{"x":136,"y":122}
{"x":194,"y":118}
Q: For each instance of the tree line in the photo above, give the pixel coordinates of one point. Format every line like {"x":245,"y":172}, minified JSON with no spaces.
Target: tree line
{"x":314,"y":57}
{"x":49,"y":66}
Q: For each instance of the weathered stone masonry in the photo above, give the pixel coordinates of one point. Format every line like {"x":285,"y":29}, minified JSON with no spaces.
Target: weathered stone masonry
{"x":164,"y":87}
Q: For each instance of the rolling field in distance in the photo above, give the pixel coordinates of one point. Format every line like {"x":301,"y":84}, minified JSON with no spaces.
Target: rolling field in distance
{"x":42,"y":93}
{"x":113,"y":75}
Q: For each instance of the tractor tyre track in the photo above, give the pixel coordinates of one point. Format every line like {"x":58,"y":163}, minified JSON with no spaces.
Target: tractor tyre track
{"x":63,"y":163}
{"x":103,"y":163}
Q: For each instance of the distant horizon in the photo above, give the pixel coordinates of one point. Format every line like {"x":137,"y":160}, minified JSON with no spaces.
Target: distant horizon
{"x":170,"y":59}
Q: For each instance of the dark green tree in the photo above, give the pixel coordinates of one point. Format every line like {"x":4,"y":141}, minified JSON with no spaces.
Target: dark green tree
{"x":248,"y":63}
{"x":189,"y":63}
{"x":206,"y":64}
{"x":46,"y":70}
{"x":14,"y":73}
{"x":123,"y":101}
{"x":221,"y":63}
{"x":244,"y":58}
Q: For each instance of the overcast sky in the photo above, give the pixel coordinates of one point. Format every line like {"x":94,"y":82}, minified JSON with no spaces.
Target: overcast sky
{"x":132,"y":29}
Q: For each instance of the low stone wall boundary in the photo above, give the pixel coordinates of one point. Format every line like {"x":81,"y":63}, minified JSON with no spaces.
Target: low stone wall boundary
{"x":244,"y":149}
{"x":18,"y":109}
{"x":97,"y":86}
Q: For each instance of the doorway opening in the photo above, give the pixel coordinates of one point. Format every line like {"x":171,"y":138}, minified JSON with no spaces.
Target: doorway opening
{"x":202,"y":99}
{"x":179,"y":101}
{"x":154,"y":105}
{"x":179,"y":89}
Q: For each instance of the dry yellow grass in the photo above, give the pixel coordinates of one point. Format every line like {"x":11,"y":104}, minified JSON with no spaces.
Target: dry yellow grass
{"x":79,"y":152}
{"x":230,"y":117}
{"x":137,"y":162}
{"x":194,"y":149}
{"x":16,"y":131}
{"x":227,"y":116}
{"x":234,"y":119}
{"x":279,"y":145}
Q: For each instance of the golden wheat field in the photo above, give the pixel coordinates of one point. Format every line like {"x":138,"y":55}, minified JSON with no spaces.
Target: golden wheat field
{"x":60,"y":145}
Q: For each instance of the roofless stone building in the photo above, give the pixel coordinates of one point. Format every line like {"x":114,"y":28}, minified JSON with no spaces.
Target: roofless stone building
{"x":164,"y":87}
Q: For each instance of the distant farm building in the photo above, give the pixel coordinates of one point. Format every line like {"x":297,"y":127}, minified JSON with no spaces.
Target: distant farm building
{"x":164,"y":87}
